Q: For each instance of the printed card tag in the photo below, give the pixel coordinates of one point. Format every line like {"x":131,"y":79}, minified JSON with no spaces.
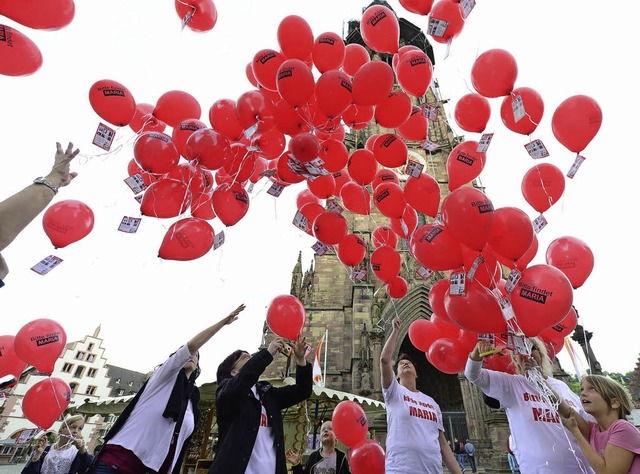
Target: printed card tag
{"x":507,"y":309}
{"x":536,"y":149}
{"x":138,"y":198}
{"x":456,"y":284}
{"x":539,"y":223}
{"x":250,"y":188}
{"x":218,"y":239}
{"x":47,"y":264}
{"x":358,"y":274}
{"x":320,"y":249}
{"x":129,"y":224}
{"x":136,"y":183}
{"x":437,"y":27}
{"x":248,"y":133}
{"x":512,"y":281}
{"x":485,"y":141}
{"x":438,"y":219}
{"x":467,"y":6}
{"x":333,"y":206}
{"x":186,"y":19}
{"x":268,"y":173}
{"x":414,"y":168}
{"x":424,"y":272}
{"x":518,"y":108}
{"x":575,"y":166}
{"x":300,"y":221}
{"x":476,"y":263}
{"x":487,"y":337}
{"x":104,"y":137}
{"x":517,"y":343}
{"x":275,"y":190}
{"x":429,"y":145}
{"x":430,"y":112}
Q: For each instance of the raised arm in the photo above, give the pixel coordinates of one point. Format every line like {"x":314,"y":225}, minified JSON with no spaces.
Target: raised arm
{"x":386,"y":367}
{"x":447,"y":455}
{"x":203,"y":336}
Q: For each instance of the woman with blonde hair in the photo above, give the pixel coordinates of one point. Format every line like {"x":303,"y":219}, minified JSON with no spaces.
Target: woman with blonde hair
{"x":68,"y":455}
{"x":611,"y":444}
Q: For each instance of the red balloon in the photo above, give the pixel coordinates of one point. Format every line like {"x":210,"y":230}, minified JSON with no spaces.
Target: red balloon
{"x":112,"y":102}
{"x":202,"y":206}
{"x":422,"y":333}
{"x":295,"y":82}
{"x":261,"y":167}
{"x":476,"y":311}
{"x":268,"y":144}
{"x":406,"y":225}
{"x":155,"y":152}
{"x":356,"y":198}
{"x":330,"y":227}
{"x":414,"y":72}
{"x":367,"y":458}
{"x":571,"y":256}
{"x":576,"y":121}
{"x":10,"y":362}
{"x":487,"y":271}
{"x":203,"y":14}
{"x":448,"y":13}
{"x":19,"y":56}
{"x":286,"y":316}
{"x":183,"y":131}
{"x":144,"y":121}
{"x":295,"y":37}
{"x":311,"y":210}
{"x":288,"y":120}
{"x":45,"y":401}
{"x":187,"y":239}
{"x":328,"y":52}
{"x":394,"y":110}
{"x":350,"y":423}
{"x":384,"y":235}
{"x":447,"y":328}
{"x":265,"y":65}
{"x":255,"y":108}
{"x":562,"y":329}
{"x":416,"y":127}
{"x":494,"y":73}
{"x":362,"y":166}
{"x":133,"y":169}
{"x":305,"y":147}
{"x":334,"y":154}
{"x":423,"y":194}
{"x":208,"y":148}
{"x":333,"y":93}
{"x":371,"y":141}
{"x":380,"y":29}
{"x":192,"y":175}
{"x":66,"y":222}
{"x":304,"y":197}
{"x":39,"y":14}
{"x":419,"y":7}
{"x":351,"y":250}
{"x":341,"y":178}
{"x":512,"y":233}
{"x":397,"y":287}
{"x":386,"y":262}
{"x":355,"y":55}
{"x":372,"y":83}
{"x":165,"y":198}
{"x":464,"y":164}
{"x":388,"y":198}
{"x":175,"y":106}
{"x":323,"y":186}
{"x":435,"y":248}
{"x":533,"y":109}
{"x":499,"y":363}
{"x":285,"y":173}
{"x":358,"y":117}
{"x":542,"y":186}
{"x":447,"y":355}
{"x":240,"y":164}
{"x":542,"y":297}
{"x":436,"y":297}
{"x":224,"y":119}
{"x":468,"y":214}
{"x":39,"y":343}
{"x":472,"y":112}
{"x":231,"y":203}
{"x":384,"y":175}
{"x":248,"y":71}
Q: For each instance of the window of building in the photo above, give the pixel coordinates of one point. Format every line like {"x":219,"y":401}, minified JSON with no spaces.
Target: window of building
{"x":67,"y":368}
{"x":80,"y":355}
{"x":73,"y":387}
{"x":120,"y":392}
{"x":91,"y":390}
{"x":90,"y":347}
{"x":92,"y":373}
{"x":91,"y":357}
{"x":79,"y":371}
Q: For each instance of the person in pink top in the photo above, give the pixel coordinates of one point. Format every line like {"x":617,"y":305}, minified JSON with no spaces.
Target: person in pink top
{"x":612,"y":444}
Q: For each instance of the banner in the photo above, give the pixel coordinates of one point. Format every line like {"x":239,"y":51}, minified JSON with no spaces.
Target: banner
{"x":317,"y":371}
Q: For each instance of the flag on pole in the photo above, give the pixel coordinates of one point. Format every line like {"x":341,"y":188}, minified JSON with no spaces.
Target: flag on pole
{"x":575,"y":358}
{"x":317,"y":372}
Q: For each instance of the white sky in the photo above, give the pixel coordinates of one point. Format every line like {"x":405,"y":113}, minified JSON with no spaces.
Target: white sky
{"x":148,"y":307}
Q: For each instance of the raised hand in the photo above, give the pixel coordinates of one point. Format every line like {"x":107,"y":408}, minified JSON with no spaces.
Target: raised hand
{"x":60,"y":174}
{"x":300,"y":349}
{"x":293,"y":457}
{"x":234,"y":314}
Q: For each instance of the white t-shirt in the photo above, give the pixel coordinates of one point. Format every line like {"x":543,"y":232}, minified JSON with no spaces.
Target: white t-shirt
{"x":59,"y":461}
{"x":327,"y":465}
{"x":542,"y":445}
{"x":263,"y":456}
{"x":414,"y":422}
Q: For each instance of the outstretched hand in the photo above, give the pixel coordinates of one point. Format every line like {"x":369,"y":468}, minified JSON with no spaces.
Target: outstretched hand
{"x":396,"y":324}
{"x":60,"y":174}
{"x":300,"y":349}
{"x":234,"y":314}
{"x":482,"y":347}
{"x":293,"y":457}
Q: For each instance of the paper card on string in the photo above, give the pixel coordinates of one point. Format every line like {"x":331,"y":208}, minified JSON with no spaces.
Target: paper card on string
{"x":518,"y":108}
{"x":485,"y":141}
{"x":333,"y":206}
{"x":536,"y":149}
{"x":474,"y":267}
{"x":456,"y":284}
{"x":300,"y":221}
{"x":487,"y":337}
{"x":437,"y":27}
{"x":136,"y":183}
{"x":218,"y":239}
{"x":47,"y":264}
{"x":186,"y":19}
{"x":414,"y":168}
{"x":320,"y":249}
{"x":424,"y":272}
{"x":129,"y":224}
{"x":358,"y":274}
{"x":430,"y":112}
{"x":539,"y":223}
{"x":138,"y":198}
{"x":507,"y":309}
{"x":275,"y":189}
{"x":512,"y":281}
{"x":575,"y":166}
{"x":467,"y":7}
{"x":104,"y":137}
{"x":248,"y":133}
{"x":429,"y":145}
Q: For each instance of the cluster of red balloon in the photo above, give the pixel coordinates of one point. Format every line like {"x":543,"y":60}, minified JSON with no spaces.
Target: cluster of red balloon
{"x":38,"y":343}
{"x":350,"y":426}
{"x":20,"y":56}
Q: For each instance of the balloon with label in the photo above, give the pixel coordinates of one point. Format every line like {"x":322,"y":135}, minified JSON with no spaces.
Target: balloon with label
{"x":372,"y":83}
{"x":19,"y":56}
{"x":367,"y":458}
{"x":352,"y":250}
{"x":187,"y":239}
{"x":175,"y":106}
{"x":423,"y":194}
{"x":68,"y":221}
{"x":380,"y":29}
{"x":333,"y":93}
{"x":286,"y":316}
{"x":39,"y":14}
{"x":183,"y":131}
{"x":573,"y":257}
{"x":384,"y":175}
{"x":494,"y":73}
{"x":265,"y":66}
{"x":350,"y":423}
{"x":562,"y":329}
{"x":468,"y":214}
{"x":10,"y":362}
{"x":155,"y":152}
{"x":328,"y":52}
{"x":231,"y":203}
{"x":394,"y":110}
{"x":464,"y":164}
{"x":390,"y":150}
{"x":447,"y":14}
{"x":39,"y":343}
{"x":531,"y":108}
{"x":435,"y":248}
{"x":472,"y":112}
{"x":295,"y":37}
{"x":112,"y":102}
{"x":165,"y":198}
{"x":44,"y":402}
{"x":223,"y":118}
{"x":202,"y":14}
{"x":576,"y":121}
{"x":542,"y":186}
{"x":414,"y":72}
{"x":388,"y":198}
{"x":386,"y":262}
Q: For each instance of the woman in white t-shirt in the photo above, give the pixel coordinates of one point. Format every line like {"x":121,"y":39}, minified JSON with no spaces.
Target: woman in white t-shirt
{"x":415,"y":434}
{"x":542,"y":445}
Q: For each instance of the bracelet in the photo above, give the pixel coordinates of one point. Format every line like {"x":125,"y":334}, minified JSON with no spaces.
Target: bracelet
{"x":47,"y":183}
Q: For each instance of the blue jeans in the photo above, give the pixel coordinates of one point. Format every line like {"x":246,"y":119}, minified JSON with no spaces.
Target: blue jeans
{"x":472,"y":462}
{"x":101,"y":468}
{"x":460,"y":460}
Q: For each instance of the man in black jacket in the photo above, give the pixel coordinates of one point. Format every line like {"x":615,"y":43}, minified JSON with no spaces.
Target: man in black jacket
{"x":326,"y":459}
{"x":250,"y":429}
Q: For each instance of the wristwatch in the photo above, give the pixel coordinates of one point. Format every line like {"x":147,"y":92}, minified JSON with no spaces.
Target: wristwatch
{"x":47,"y":183}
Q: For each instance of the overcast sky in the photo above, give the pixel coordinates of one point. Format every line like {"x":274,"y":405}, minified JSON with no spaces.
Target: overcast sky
{"x":146,"y":307}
